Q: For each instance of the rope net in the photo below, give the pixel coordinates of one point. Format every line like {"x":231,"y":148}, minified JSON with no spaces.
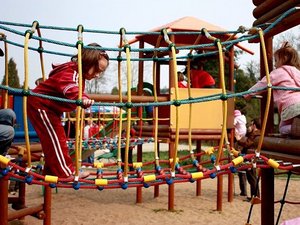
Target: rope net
{"x":221,"y":159}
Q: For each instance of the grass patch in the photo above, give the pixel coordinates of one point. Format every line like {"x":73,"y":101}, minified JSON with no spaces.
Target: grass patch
{"x":164,"y":155}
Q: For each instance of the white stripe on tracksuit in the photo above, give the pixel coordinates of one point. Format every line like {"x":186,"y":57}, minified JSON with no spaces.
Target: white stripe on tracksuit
{"x":55,"y":142}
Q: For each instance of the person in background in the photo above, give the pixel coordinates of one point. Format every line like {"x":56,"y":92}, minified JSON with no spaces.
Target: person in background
{"x":240,"y":130}
{"x":199,"y":77}
{"x":7,"y":132}
{"x":7,"y":122}
{"x":38,"y":81}
{"x":181,"y":80}
{"x":247,"y":142}
{"x":287,"y":75}
{"x":45,"y":114}
{"x":89,"y":130}
{"x":130,"y":152}
{"x":149,"y":109}
{"x":240,"y":123}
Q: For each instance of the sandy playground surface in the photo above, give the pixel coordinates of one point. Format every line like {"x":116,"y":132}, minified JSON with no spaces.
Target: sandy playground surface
{"x":117,"y":206}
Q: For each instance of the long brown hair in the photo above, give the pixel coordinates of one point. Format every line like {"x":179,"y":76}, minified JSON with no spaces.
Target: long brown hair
{"x":90,"y":57}
{"x":288,"y":55}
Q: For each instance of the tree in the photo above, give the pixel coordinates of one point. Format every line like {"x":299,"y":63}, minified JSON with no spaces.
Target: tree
{"x":243,"y":82}
{"x":109,"y":79}
{"x":115,"y":91}
{"x":13,"y":78}
{"x":290,"y":35}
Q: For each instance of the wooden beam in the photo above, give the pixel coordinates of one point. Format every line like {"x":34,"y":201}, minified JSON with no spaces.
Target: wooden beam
{"x":272,"y":12}
{"x":115,"y":98}
{"x":33,"y":210}
{"x":257,"y":2}
{"x":286,"y":24}
{"x":266,"y":6}
{"x":290,"y":22}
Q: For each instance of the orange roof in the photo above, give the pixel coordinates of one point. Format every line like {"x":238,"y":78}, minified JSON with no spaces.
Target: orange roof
{"x":189,"y":23}
{"x":184,"y":24}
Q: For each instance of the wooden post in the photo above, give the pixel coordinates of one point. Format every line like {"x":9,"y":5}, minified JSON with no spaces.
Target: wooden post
{"x":219,"y":192}
{"x":198,"y":182}
{"x":20,"y":200}
{"x":230,"y":175}
{"x":220,"y":189}
{"x":47,"y":205}
{"x":156,"y":187}
{"x":171,"y":186}
{"x":231,"y":82}
{"x":3,"y":201}
{"x":267,"y":196}
{"x":139,"y":196}
{"x":171,"y":197}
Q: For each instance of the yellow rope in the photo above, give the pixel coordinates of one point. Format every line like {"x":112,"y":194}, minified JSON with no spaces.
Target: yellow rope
{"x":129,"y":78}
{"x":155,"y":100}
{"x":224,"y":102}
{"x":82,"y":124}
{"x":119,"y":160}
{"x":26,"y":78}
{"x":173,"y":53}
{"x":78,"y":126}
{"x":264,"y":122}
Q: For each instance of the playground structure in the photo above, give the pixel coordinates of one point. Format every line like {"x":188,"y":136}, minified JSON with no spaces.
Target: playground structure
{"x":170,"y":121}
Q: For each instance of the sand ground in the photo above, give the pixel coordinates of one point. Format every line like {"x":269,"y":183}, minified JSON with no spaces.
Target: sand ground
{"x":91,"y":207}
{"x":117,"y":206}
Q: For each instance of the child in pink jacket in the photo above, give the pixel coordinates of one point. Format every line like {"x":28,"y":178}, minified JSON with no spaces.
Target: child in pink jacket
{"x":286,"y":74}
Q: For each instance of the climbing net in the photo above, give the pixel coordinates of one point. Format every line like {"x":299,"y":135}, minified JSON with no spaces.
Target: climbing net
{"x":172,"y":171}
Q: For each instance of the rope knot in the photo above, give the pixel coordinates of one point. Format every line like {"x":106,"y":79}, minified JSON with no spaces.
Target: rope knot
{"x":171,"y":45}
{"x":177,"y":103}
{"x":223,"y":97}
{"x":26,"y":92}
{"x":119,"y":58}
{"x":30,"y":32}
{"x":40,"y":49}
{"x":128,"y":105}
{"x":79,"y":102}
{"x":216,"y":41}
{"x":79,"y":43}
{"x":155,"y":58}
{"x":127,"y":46}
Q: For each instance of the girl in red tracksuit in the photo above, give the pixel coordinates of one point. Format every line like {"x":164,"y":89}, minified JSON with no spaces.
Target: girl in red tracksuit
{"x":45,"y":114}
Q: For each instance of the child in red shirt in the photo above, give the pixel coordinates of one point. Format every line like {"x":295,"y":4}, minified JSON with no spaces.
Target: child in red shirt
{"x":45,"y":114}
{"x":200,"y":78}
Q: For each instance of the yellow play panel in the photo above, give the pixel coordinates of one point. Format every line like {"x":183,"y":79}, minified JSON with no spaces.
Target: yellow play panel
{"x":205,"y":115}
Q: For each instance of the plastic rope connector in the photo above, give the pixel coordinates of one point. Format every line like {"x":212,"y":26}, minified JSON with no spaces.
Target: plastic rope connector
{"x":101,"y":182}
{"x":79,"y":43}
{"x":51,"y":179}
{"x":4,"y":160}
{"x":149,"y":178}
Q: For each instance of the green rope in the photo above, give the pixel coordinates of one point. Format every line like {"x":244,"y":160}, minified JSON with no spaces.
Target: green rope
{"x":227,"y":44}
{"x":16,"y":91}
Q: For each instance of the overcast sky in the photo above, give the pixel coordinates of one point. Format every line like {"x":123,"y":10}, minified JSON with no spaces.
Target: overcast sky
{"x":133,"y":15}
